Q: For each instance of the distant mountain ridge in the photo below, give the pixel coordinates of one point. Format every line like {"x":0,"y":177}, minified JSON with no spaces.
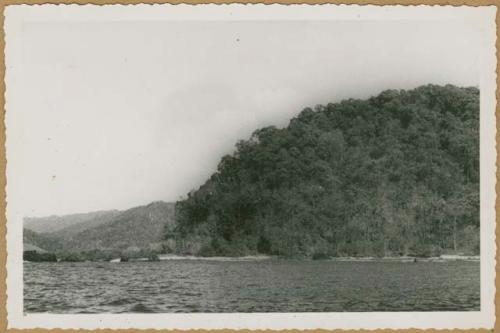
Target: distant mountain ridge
{"x":55,"y":223}
{"x":138,"y":227}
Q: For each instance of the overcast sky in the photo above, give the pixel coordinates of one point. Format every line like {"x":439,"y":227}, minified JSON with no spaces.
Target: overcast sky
{"x":117,"y":114}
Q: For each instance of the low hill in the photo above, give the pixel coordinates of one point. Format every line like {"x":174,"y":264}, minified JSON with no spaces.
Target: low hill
{"x":31,"y":247}
{"x":395,"y":174}
{"x":70,"y":223}
{"x":113,"y":231}
{"x":136,"y":227}
{"x":46,"y":242}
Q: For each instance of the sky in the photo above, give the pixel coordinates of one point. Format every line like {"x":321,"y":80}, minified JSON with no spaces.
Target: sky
{"x":112,"y":114}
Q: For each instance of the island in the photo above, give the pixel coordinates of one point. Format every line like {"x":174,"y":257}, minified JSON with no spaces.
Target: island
{"x":392,"y":176}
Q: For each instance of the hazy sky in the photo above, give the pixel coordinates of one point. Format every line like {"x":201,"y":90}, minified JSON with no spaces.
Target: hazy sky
{"x":115,"y":114}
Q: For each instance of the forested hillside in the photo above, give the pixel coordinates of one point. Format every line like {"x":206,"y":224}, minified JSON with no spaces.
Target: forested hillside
{"x":396,"y":174}
{"x":70,"y":223}
{"x":134,"y":232}
{"x":135,"y":227}
{"x":44,"y":241}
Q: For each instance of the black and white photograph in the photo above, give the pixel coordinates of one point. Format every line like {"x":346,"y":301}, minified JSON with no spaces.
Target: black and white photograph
{"x":250,"y":166}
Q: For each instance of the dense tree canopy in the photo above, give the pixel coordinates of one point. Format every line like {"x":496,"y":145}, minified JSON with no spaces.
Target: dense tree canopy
{"x":396,"y":174}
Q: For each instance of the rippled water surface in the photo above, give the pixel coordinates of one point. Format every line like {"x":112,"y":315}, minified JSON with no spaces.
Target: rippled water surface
{"x":250,"y":286}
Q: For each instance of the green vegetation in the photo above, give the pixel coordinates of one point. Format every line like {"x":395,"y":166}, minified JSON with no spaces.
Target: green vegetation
{"x":46,"y":242}
{"x":102,"y":236}
{"x":131,"y":230}
{"x":68,"y":224}
{"x":396,"y":174}
{"x":39,"y":257}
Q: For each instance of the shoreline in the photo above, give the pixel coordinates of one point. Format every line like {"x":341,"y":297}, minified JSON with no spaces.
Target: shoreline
{"x":358,"y":259}
{"x":401,"y":259}
{"x":410,"y":259}
{"x":164,"y":257}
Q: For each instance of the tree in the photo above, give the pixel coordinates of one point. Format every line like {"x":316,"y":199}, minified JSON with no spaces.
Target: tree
{"x":396,"y":174}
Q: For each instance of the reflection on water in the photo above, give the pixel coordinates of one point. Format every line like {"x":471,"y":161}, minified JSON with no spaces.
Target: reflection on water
{"x":250,"y":286}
